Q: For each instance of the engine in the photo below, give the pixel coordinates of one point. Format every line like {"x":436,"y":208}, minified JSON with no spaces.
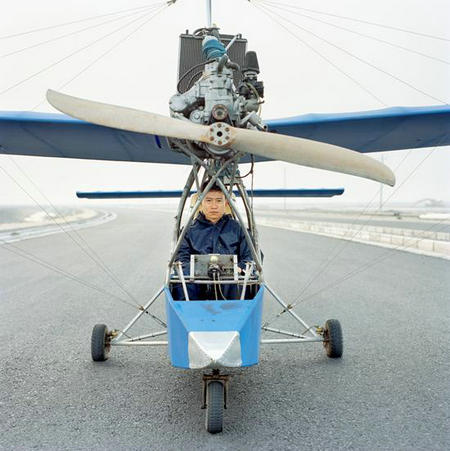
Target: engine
{"x":215,"y":98}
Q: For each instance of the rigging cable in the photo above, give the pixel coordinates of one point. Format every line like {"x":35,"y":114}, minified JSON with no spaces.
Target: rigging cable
{"x":72,"y":33}
{"x":341,"y":244}
{"x":101,"y":56}
{"x":345,"y":242}
{"x":97,"y":260}
{"x":392,"y":44}
{"x":376,"y":24}
{"x":29,"y":256}
{"x":360,"y":59}
{"x":72,"y":54}
{"x":362,"y":268}
{"x":269,"y":13}
{"x":50,"y":27}
{"x":89,"y":251}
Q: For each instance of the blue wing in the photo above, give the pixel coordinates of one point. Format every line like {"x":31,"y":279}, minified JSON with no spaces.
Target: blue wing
{"x":281,"y":192}
{"x":57,"y":135}
{"x":372,"y":131}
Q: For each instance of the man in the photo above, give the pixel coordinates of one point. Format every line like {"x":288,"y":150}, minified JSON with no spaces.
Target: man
{"x":213,"y":232}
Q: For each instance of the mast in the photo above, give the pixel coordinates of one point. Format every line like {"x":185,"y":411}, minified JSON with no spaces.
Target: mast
{"x":208,"y":13}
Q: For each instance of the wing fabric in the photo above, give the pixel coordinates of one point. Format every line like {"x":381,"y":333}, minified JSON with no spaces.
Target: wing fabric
{"x":281,"y":192}
{"x":57,"y":135}
{"x":372,"y":131}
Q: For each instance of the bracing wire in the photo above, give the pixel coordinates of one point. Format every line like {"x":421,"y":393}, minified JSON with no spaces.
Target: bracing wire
{"x":92,"y":254}
{"x":270,"y":14}
{"x":333,"y":257}
{"x":88,"y":250}
{"x":358,"y":270}
{"x":345,"y":243}
{"x":104,"y":54}
{"x":72,"y":33}
{"x":29,"y":256}
{"x":358,"y":33}
{"x":65,"y":58}
{"x":374,"y":261}
{"x":50,"y":27}
{"x":360,"y":59}
{"x":376,"y":24}
{"x":341,"y":244}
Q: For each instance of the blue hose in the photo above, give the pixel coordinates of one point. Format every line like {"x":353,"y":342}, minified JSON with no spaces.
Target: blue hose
{"x":212,"y":48}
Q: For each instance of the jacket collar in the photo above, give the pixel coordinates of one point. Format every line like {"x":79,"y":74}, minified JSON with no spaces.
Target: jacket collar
{"x":201,"y":218}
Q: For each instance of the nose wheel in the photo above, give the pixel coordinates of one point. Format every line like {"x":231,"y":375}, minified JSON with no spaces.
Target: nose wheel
{"x":215,"y":388}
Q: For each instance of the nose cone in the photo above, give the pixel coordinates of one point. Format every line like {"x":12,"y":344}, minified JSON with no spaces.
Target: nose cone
{"x":214,"y":349}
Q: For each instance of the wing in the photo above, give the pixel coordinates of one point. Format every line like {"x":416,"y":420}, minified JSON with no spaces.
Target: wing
{"x":281,"y":192}
{"x":372,"y":131}
{"x":57,"y":135}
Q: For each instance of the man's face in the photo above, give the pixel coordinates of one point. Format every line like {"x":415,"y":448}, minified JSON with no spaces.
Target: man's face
{"x":214,"y":205}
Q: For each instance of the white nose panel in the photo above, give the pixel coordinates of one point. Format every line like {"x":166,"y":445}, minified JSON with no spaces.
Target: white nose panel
{"x":214,"y":349}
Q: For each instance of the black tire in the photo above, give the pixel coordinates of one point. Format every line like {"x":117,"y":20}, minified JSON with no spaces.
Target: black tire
{"x":214,"y":407}
{"x":333,"y":339}
{"x":100,"y":345}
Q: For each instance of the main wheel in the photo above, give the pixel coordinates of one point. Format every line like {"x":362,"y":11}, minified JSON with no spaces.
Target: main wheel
{"x":332,"y":339}
{"x":214,"y":407}
{"x":100,"y":343}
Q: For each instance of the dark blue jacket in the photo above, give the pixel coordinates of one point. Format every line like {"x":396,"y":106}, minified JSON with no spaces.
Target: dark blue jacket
{"x":224,"y":237}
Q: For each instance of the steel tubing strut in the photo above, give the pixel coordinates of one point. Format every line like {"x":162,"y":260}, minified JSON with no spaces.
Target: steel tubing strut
{"x":249,"y":211}
{"x":143,"y":337}
{"x":139,"y":343}
{"x":289,"y":310}
{"x":232,"y":206}
{"x":142,"y":312}
{"x":244,"y":229}
{"x":186,"y":193}
{"x":179,"y":268}
{"x":275,"y":341}
{"x":196,"y":206}
{"x":283,"y":332}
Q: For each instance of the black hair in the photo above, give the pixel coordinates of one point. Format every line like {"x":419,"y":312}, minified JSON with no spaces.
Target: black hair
{"x":214,"y":187}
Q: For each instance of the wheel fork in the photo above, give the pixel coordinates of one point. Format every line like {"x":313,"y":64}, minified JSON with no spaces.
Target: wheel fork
{"x":215,"y":376}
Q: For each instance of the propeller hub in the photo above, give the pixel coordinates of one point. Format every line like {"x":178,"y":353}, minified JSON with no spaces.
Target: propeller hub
{"x":219,"y":134}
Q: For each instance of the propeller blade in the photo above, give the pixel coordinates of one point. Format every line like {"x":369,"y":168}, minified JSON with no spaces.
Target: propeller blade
{"x":125,"y":118}
{"x":300,"y":151}
{"x":310,"y":153}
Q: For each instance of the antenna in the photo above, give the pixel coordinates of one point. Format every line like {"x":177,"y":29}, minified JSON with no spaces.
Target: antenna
{"x":208,"y":13}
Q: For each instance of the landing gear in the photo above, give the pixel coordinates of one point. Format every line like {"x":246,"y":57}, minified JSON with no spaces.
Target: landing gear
{"x":215,"y":388}
{"x":100,"y":343}
{"x":214,"y":407}
{"x":332,"y":339}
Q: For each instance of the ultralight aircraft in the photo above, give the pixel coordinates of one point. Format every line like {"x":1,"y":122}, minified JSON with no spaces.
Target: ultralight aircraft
{"x":214,"y":125}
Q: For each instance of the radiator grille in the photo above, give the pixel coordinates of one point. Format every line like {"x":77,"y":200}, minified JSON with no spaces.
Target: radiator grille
{"x":191,"y":54}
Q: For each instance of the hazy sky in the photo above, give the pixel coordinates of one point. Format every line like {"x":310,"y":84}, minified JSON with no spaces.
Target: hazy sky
{"x":141,"y":73}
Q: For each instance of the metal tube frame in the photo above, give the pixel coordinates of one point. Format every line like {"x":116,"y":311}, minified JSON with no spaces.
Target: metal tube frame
{"x":309,"y":334}
{"x":119,"y":340}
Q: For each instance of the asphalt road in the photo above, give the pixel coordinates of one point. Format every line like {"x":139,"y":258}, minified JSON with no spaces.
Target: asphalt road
{"x":389,"y":391}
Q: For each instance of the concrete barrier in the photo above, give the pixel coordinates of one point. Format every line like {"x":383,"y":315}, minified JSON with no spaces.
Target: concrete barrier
{"x":425,"y":242}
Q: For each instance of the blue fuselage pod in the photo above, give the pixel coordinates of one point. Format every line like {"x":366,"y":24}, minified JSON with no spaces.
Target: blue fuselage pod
{"x":214,"y":334}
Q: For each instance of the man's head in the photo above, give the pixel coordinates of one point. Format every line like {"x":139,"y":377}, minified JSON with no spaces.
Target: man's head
{"x":214,"y":204}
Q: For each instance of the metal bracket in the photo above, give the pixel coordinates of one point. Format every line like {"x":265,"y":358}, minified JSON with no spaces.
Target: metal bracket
{"x":215,"y":376}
